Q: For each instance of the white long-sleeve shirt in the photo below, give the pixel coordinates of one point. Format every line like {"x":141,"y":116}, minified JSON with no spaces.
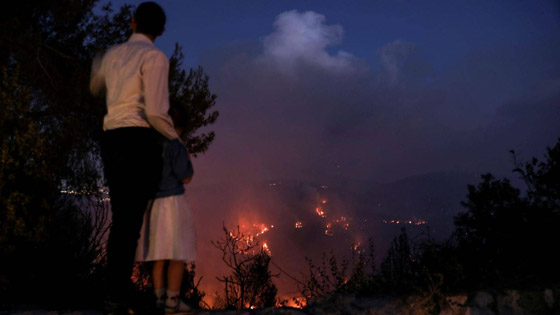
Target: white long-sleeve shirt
{"x":135,"y":76}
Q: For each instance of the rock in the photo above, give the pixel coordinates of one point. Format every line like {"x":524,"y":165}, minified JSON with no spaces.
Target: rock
{"x":483,"y":300}
{"x":534,"y":302}
{"x":549,"y":298}
{"x":507,"y":303}
{"x":317,"y":300}
{"x":364,"y":305}
{"x":482,"y":303}
{"x":456,"y":305}
{"x":280,"y":311}
{"x":344,"y":300}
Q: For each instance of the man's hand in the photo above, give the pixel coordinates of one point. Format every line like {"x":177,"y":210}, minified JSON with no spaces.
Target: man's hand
{"x":188,"y":180}
{"x":97,"y":79}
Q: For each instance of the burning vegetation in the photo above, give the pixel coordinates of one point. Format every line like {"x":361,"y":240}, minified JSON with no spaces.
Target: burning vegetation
{"x":250,"y":283}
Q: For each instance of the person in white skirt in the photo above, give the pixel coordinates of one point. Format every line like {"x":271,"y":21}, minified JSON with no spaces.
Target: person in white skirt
{"x":167,"y":237}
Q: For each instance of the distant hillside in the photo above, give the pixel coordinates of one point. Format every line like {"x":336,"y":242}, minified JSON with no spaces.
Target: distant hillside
{"x":435,"y":198}
{"x":300,"y":219}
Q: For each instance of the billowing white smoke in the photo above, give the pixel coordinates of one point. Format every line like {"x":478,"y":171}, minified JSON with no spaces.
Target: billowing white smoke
{"x":305,"y":37}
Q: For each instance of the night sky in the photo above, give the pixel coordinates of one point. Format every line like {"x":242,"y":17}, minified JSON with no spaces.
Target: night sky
{"x":372,"y":90}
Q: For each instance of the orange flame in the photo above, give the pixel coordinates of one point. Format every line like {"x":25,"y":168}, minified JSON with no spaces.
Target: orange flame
{"x":266,"y":249}
{"x":329,"y":231}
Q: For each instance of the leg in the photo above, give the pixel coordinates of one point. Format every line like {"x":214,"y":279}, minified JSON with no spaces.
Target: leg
{"x":174,"y":279}
{"x":132,"y":165}
{"x":157,"y":274}
{"x":175,"y":275}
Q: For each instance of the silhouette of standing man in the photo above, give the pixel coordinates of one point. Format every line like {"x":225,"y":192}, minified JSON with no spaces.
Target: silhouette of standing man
{"x":135,"y":76}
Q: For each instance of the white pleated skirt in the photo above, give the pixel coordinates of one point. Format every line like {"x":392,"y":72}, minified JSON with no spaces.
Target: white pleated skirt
{"x":168,"y":231}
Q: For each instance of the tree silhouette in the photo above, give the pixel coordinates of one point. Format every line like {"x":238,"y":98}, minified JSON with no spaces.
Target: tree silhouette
{"x":505,"y":238}
{"x":250,"y":283}
{"x":189,"y":287}
{"x":357,"y":275}
{"x":190,"y":94}
{"x":399,"y":268}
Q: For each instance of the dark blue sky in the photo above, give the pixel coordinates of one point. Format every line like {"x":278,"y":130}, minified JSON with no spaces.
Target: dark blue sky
{"x":444,"y":30}
{"x":385,"y":88}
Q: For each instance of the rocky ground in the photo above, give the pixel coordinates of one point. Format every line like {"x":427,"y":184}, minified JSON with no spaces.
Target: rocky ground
{"x":487,"y":303}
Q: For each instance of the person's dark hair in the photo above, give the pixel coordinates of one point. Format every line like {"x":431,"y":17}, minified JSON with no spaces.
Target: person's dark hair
{"x":179,"y":116}
{"x":150,"y":18}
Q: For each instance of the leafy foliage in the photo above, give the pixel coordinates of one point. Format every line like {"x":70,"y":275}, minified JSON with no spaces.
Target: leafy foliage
{"x":503,"y":236}
{"x":189,"y":287}
{"x":541,"y":178}
{"x":190,"y":94}
{"x":339,"y":276}
{"x":37,"y":157}
{"x":399,"y":268}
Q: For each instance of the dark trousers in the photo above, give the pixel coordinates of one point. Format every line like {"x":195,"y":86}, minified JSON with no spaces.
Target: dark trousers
{"x":132,"y":165}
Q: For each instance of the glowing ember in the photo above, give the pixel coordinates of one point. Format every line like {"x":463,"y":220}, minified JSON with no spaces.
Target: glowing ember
{"x":324,"y":201}
{"x":320,"y":212}
{"x":293,"y":301}
{"x":324,"y":186}
{"x":261,"y":229}
{"x":329,"y":231}
{"x":266,"y":248}
{"x":411,"y":222}
{"x":299,"y":225}
{"x":248,"y":236}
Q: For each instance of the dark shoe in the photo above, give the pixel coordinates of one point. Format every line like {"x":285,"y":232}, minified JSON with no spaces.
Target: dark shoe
{"x":160,"y":303}
{"x":147,"y":305}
